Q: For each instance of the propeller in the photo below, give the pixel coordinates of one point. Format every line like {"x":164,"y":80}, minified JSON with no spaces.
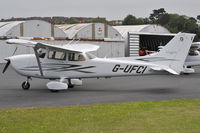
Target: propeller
{"x":6,"y":66}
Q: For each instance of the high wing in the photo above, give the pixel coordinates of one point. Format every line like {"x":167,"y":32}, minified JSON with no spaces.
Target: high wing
{"x":75,"y":48}
{"x":78,"y":48}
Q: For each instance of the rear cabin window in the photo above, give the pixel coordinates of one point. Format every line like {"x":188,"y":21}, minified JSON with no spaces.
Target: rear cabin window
{"x":57,"y":55}
{"x":76,"y":57}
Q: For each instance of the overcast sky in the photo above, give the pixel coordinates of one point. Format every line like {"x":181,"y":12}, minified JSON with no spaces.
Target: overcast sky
{"x":111,"y":9}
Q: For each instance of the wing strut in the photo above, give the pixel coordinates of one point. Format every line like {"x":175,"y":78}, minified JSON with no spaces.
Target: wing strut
{"x":38,"y":61}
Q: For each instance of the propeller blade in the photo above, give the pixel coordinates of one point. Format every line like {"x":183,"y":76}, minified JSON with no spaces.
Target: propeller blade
{"x":6,"y":66}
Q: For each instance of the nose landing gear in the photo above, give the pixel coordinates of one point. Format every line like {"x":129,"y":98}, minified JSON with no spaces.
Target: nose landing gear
{"x":26,"y":84}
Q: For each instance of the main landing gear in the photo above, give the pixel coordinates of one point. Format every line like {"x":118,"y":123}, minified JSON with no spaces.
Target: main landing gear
{"x":62,"y":85}
{"x":26,"y":84}
{"x":70,"y":85}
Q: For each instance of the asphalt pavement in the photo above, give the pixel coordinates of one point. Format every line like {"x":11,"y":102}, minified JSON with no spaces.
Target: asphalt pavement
{"x":98,"y":91}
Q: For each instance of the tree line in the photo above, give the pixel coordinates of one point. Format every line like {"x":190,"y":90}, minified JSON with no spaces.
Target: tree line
{"x":173,"y":22}
{"x":60,"y":19}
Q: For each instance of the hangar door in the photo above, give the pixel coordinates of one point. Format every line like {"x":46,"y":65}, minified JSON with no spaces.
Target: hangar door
{"x":137,"y":43}
{"x":133,"y":44}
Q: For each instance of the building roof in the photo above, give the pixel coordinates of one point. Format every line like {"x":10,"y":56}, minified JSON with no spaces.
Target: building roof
{"x":123,"y":30}
{"x":90,"y":31}
{"x":30,"y":28}
{"x":72,"y":29}
{"x":6,"y":26}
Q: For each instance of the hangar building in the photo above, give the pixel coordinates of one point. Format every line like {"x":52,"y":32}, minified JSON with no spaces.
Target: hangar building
{"x":31,"y":28}
{"x":90,"y":31}
{"x":138,"y":37}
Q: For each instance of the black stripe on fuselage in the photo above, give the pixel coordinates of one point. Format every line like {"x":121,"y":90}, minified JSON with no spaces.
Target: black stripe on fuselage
{"x":58,"y":68}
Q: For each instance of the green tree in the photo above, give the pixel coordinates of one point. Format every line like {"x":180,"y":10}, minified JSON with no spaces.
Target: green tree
{"x":175,"y":23}
{"x":132,"y":20}
{"x":163,"y":19}
{"x":156,"y":14}
{"x":146,"y":21}
{"x":191,"y":18}
{"x":72,"y":22}
{"x":198,"y":17}
{"x":190,"y":26}
{"x":179,"y":23}
{"x":99,"y":20}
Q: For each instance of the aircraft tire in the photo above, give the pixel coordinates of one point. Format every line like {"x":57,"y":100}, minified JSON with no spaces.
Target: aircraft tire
{"x":70,"y":86}
{"x":25,"y":85}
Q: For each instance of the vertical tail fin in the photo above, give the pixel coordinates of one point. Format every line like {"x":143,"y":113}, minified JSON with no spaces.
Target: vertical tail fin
{"x":173,"y":55}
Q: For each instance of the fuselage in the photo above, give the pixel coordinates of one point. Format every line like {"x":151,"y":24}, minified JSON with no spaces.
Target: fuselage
{"x":27,"y":65}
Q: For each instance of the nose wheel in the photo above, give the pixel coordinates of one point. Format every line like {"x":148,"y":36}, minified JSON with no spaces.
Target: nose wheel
{"x":26,"y":84}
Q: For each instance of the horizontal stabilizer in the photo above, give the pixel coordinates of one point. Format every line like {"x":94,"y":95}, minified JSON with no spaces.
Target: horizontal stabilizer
{"x":165,"y":69}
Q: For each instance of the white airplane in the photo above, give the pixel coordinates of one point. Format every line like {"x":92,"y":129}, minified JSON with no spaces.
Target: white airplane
{"x":70,"y":63}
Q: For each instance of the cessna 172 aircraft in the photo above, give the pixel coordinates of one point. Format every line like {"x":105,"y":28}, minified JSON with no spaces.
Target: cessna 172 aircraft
{"x":70,"y":63}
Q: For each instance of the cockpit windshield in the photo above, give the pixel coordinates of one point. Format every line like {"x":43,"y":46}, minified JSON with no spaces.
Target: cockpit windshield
{"x":41,"y":52}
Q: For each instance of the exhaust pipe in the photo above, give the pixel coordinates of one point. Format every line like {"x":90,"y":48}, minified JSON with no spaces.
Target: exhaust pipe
{"x":6,"y":66}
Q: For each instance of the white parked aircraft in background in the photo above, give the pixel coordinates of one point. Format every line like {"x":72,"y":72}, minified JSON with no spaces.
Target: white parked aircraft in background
{"x":70,"y":63}
{"x":193,"y":58}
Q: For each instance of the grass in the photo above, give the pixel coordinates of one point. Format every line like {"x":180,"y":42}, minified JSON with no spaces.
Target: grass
{"x":176,"y":116}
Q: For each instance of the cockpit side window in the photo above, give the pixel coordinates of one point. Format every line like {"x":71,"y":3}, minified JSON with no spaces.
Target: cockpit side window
{"x":76,"y":57}
{"x":57,"y":55}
